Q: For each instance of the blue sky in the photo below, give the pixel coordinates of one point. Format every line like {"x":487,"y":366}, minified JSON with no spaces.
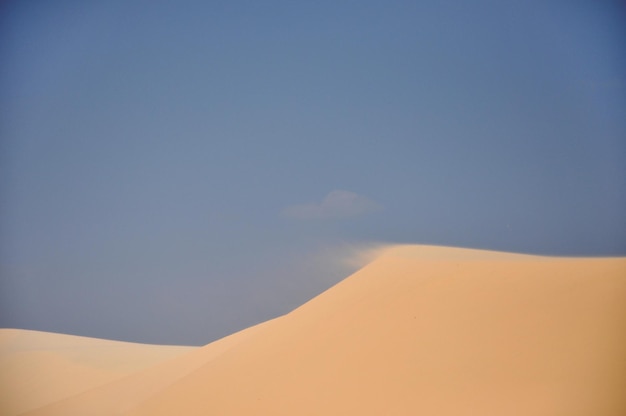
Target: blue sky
{"x":176,"y":171}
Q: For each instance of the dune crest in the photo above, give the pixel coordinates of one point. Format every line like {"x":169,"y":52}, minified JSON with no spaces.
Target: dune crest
{"x":420,"y":330}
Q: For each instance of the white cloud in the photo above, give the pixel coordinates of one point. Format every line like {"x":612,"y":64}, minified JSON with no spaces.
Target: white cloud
{"x":337,"y":204}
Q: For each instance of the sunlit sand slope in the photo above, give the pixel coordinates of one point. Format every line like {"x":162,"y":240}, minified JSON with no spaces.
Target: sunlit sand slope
{"x":37,"y":368}
{"x":424,"y":330}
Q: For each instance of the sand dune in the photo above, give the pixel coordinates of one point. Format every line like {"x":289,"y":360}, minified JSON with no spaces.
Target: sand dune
{"x":420,"y":330}
{"x":37,"y":368}
{"x":120,"y":395}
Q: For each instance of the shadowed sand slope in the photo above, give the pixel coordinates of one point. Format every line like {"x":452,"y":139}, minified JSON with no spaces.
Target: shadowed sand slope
{"x":421,"y":330}
{"x":37,"y":368}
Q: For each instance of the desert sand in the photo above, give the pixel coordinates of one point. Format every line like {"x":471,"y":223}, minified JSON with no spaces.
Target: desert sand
{"x":38,"y":368}
{"x":419,"y":330}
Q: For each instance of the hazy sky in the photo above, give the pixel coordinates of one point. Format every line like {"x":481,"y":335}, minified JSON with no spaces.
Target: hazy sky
{"x":174,"y":171}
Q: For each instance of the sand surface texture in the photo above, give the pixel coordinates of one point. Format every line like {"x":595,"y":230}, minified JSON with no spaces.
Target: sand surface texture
{"x":420,"y":330}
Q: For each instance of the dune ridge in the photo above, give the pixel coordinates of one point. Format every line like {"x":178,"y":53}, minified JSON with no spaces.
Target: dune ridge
{"x":420,"y":330}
